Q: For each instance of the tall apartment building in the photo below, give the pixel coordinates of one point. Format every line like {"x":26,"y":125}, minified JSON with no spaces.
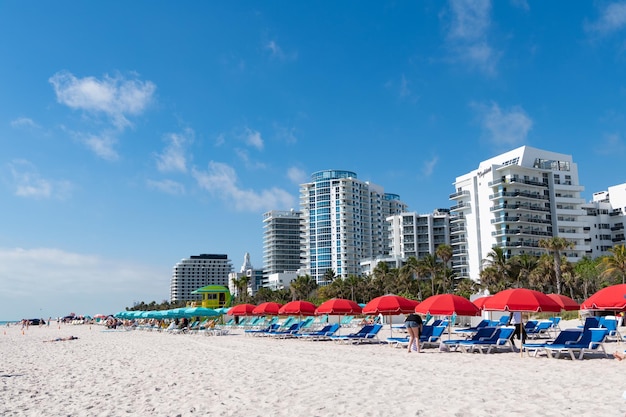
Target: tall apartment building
{"x":282,"y":240}
{"x":605,"y":220}
{"x":198,"y":271}
{"x":344,"y":221}
{"x":412,"y":234}
{"x":513,"y":201}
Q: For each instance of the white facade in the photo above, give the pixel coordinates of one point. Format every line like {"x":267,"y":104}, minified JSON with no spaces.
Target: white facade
{"x":513,"y":201}
{"x":282,"y":240}
{"x":281,"y":280}
{"x":343,"y":222}
{"x":255,"y":276}
{"x":605,"y":220}
{"x":412,"y":234}
{"x":198,"y":271}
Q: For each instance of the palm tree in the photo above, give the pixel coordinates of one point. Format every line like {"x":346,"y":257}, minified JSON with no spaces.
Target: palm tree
{"x":302,"y":287}
{"x":431,"y":267}
{"x":586,"y":271}
{"x":523,"y":265}
{"x":615,"y":265}
{"x":555,"y":245}
{"x":444,"y":252}
{"x":329,"y":276}
{"x":497,"y":270}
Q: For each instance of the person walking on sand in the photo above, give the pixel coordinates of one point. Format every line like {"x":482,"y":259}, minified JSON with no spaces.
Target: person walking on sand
{"x":413,"y":324}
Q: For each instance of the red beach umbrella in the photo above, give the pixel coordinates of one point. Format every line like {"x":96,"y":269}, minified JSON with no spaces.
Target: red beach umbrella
{"x":566,"y":303}
{"x":390,"y":304}
{"x":480,"y":302}
{"x":299,"y":307}
{"x":241,"y":310}
{"x":447,"y":305}
{"x":338,"y":306}
{"x":264,"y":309}
{"x":609,"y":298}
{"x":521,"y":299}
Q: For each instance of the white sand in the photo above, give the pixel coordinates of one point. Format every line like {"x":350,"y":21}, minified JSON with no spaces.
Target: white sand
{"x":142,"y":373}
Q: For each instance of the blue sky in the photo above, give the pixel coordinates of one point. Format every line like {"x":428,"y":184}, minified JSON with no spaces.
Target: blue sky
{"x":135,"y":134}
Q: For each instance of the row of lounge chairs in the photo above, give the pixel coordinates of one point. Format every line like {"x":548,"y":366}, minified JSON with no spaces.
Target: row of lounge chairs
{"x":573,"y":342}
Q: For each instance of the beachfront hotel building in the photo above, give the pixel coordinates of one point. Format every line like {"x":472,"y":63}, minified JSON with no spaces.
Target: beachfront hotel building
{"x":198,"y":271}
{"x":282,"y":240}
{"x":605,"y":220}
{"x":343,"y":222}
{"x":412,"y":234}
{"x":513,"y":201}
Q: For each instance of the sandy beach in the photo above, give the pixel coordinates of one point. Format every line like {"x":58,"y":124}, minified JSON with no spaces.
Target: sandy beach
{"x":141,"y":373}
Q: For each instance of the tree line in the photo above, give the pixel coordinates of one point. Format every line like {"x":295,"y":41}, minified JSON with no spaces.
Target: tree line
{"x":432,"y":274}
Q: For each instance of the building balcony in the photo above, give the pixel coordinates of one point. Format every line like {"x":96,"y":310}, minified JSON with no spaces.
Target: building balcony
{"x":458,"y":194}
{"x":463,"y":205}
{"x":528,"y":207}
{"x":519,"y":194}
{"x":520,"y":232}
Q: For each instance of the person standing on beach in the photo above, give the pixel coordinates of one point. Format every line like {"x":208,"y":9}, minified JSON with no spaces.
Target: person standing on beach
{"x":413,"y":324}
{"x":515,"y":319}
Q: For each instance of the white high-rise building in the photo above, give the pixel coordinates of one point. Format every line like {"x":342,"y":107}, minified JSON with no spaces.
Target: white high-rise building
{"x":198,"y":271}
{"x":343,"y":222}
{"x":605,"y":218}
{"x":412,"y":234}
{"x":513,"y":201}
{"x":282,"y":241}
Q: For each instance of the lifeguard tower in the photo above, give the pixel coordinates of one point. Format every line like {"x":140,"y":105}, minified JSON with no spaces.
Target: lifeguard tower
{"x":214,"y":296}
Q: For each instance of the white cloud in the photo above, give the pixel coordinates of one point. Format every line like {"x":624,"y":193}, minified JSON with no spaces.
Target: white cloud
{"x":429,"y":166}
{"x":245,"y":157}
{"x":285,"y":134}
{"x":173,"y":158}
{"x":115,"y":97}
{"x":253,"y":138}
{"x":58,"y":282}
{"x":522,"y":4}
{"x":612,"y":19}
{"x":611,"y":144}
{"x":296,"y":175}
{"x":29,"y":183}
{"x":102,"y":145}
{"x":277,"y":52}
{"x":167,"y":186}
{"x":467,"y":34}
{"x":23,"y":122}
{"x":504,"y":127}
{"x":221,"y":180}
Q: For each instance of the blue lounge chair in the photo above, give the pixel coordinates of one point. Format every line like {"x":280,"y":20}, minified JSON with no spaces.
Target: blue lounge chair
{"x":611,"y":325}
{"x":472,"y":330}
{"x":501,"y":337}
{"x":255,"y":332}
{"x":368,"y":333}
{"x":540,"y":329}
{"x":482,"y":333}
{"x":565,"y":336}
{"x":591,"y":340}
{"x":429,"y":337}
{"x":323,"y":334}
